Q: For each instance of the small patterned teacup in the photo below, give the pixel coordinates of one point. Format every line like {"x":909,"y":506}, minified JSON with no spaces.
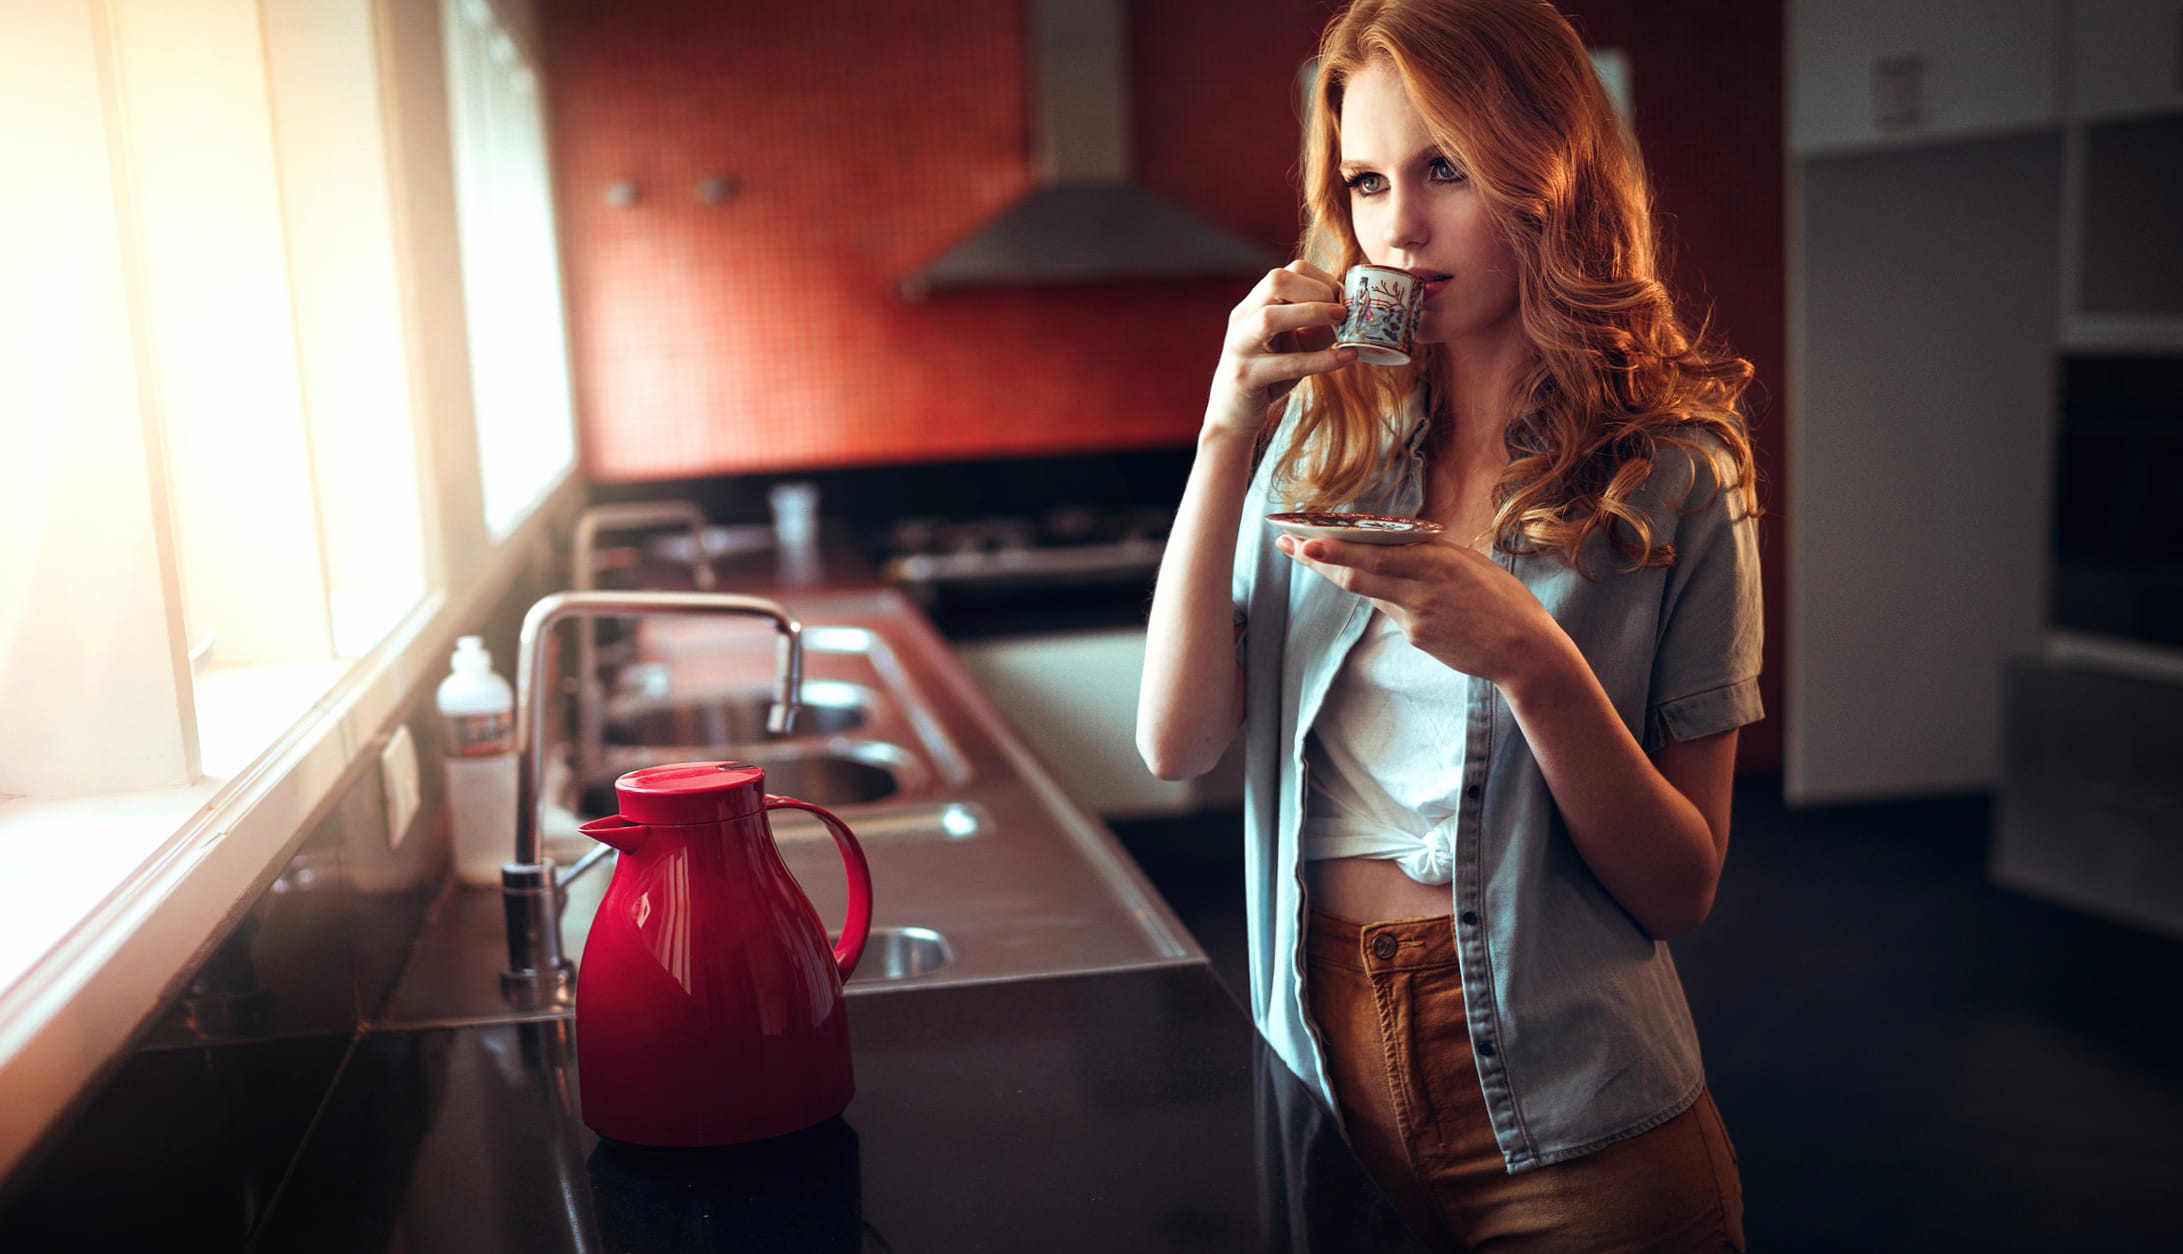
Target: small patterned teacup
{"x":1383,"y":305}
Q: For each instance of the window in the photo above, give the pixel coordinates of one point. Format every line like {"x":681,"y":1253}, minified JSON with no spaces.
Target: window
{"x":240,"y":437}
{"x":257,"y":245}
{"x":211,"y":408}
{"x":510,"y":266}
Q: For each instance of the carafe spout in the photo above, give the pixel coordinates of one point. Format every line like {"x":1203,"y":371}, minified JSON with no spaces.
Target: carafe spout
{"x":616,"y":831}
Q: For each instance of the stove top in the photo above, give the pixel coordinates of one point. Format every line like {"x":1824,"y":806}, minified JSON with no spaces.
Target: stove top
{"x":1067,"y":544}
{"x":1070,"y":569}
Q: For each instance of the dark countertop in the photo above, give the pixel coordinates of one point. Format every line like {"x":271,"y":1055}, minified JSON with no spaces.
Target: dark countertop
{"x":1125,"y":1111}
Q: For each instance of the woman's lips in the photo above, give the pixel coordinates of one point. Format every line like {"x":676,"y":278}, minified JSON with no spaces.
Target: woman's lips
{"x":1433,"y":282}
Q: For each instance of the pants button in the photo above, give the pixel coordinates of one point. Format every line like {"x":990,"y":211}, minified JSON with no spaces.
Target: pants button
{"x":1384,"y":946}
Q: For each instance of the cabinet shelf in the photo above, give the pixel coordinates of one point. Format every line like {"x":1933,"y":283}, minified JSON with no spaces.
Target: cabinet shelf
{"x":2109,"y":333}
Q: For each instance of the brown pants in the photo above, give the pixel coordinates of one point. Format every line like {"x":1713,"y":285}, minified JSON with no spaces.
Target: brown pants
{"x":1400,"y":1057}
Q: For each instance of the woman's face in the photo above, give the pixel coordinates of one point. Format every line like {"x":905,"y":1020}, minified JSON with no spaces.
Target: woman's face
{"x":1415,"y":208}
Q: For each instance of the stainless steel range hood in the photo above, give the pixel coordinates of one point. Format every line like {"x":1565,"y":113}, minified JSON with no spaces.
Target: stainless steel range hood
{"x":1084,"y":222}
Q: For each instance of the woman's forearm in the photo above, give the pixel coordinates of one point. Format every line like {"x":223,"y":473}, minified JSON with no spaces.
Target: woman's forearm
{"x":1650,"y":845}
{"x":1191,"y":696}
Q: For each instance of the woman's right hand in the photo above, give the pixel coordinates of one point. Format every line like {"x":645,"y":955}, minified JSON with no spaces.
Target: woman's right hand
{"x":1280,"y":333}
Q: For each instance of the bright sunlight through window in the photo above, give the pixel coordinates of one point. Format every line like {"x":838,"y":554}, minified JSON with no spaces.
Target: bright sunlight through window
{"x":245,"y":470}
{"x":510,"y":266}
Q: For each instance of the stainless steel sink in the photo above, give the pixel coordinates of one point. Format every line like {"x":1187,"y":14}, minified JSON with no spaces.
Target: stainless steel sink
{"x":653,"y":713}
{"x":982,"y":868}
{"x":836,"y":774}
{"x":900,"y":953}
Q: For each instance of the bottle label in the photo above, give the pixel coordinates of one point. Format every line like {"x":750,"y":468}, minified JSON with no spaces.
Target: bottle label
{"x":479,"y":735}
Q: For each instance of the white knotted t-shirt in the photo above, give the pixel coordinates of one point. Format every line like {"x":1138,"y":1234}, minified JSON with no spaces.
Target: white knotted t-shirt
{"x":1385,"y":757}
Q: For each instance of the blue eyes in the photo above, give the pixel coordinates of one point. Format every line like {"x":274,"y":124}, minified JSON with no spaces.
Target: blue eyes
{"x":1438,"y":170}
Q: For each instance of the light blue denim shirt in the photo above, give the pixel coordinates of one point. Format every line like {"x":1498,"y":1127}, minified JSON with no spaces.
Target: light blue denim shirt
{"x":1576,"y":1016}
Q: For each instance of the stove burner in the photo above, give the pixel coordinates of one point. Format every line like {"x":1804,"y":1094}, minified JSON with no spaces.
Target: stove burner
{"x":1070,"y":543}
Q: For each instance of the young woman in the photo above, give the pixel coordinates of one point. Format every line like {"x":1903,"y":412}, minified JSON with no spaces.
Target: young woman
{"x":1487,"y":775}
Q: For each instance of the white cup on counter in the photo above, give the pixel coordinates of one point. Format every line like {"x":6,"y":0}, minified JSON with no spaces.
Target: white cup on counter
{"x":796,"y":528}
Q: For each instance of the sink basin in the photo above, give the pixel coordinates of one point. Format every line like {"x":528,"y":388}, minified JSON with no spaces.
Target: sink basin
{"x":652,"y":716}
{"x":826,"y":777}
{"x":833,"y":774}
{"x":900,"y":953}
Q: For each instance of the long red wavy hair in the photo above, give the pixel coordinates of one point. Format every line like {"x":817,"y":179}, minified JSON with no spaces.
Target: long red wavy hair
{"x":1509,"y":92}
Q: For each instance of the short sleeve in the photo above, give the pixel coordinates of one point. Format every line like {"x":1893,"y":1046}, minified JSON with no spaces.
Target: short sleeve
{"x":1252,"y":543}
{"x":1706,"y":662}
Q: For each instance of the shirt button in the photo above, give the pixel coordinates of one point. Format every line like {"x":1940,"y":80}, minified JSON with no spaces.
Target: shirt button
{"x":1384,"y":946}
{"x":1470,"y":918}
{"x":1485,"y":1048}
{"x":1471,"y":791}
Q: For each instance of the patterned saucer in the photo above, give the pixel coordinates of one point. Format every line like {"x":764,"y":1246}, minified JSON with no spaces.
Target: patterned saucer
{"x":1356,"y":528}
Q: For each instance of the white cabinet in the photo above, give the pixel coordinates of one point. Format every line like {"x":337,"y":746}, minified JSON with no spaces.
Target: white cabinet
{"x":1921,"y":394}
{"x":2125,"y":58}
{"x":2123,"y":192}
{"x":1976,"y":188}
{"x":2122,"y":246}
{"x":1880,"y":73}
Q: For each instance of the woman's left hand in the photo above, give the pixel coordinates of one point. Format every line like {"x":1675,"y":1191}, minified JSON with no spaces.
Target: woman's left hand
{"x":1453,"y":602}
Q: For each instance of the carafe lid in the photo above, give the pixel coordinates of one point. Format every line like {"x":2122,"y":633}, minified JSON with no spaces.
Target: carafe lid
{"x":690,"y":792}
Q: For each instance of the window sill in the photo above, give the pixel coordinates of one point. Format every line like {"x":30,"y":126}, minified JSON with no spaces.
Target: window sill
{"x":106,"y":901}
{"x":65,"y":858}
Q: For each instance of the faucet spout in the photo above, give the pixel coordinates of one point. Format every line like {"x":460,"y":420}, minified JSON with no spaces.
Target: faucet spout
{"x":583,"y":576}
{"x":528,"y":887}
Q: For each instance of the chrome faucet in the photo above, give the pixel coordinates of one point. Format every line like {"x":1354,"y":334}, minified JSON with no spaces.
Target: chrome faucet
{"x":530,"y":887}
{"x":591,"y":691}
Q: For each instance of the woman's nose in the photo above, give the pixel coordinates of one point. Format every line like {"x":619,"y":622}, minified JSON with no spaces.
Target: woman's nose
{"x":1405,"y":229}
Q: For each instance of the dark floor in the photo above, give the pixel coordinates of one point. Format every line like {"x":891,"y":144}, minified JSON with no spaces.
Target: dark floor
{"x":1908,"y":1057}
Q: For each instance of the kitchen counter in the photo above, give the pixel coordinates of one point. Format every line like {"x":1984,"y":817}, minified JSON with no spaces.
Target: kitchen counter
{"x":1073,"y":1077}
{"x":1118,"y":1111}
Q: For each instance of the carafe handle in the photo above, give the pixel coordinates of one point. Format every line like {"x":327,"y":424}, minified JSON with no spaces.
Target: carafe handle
{"x":858,"y":926}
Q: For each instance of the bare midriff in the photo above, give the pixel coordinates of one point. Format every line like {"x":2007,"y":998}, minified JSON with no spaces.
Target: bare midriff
{"x":1372,"y":890}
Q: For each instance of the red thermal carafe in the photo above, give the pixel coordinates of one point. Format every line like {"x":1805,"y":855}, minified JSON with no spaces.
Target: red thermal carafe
{"x":709,"y":1008}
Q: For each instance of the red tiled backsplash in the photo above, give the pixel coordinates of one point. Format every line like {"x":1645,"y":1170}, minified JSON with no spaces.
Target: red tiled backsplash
{"x":765,"y":333}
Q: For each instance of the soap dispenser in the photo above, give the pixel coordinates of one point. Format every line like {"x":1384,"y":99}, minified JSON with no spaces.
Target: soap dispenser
{"x":477,"y":737}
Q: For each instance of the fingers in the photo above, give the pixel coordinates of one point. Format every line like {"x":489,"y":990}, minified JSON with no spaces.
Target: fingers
{"x":1273,"y":341}
{"x":1372,"y":558}
{"x":1358,"y":568}
{"x":1290,"y":366}
{"x":1303,"y":281}
{"x":1311,"y":271}
{"x":1282,"y":329}
{"x":1280,"y":333}
{"x":1270,"y":371}
{"x":1274,"y":319}
{"x":1284,"y":302}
